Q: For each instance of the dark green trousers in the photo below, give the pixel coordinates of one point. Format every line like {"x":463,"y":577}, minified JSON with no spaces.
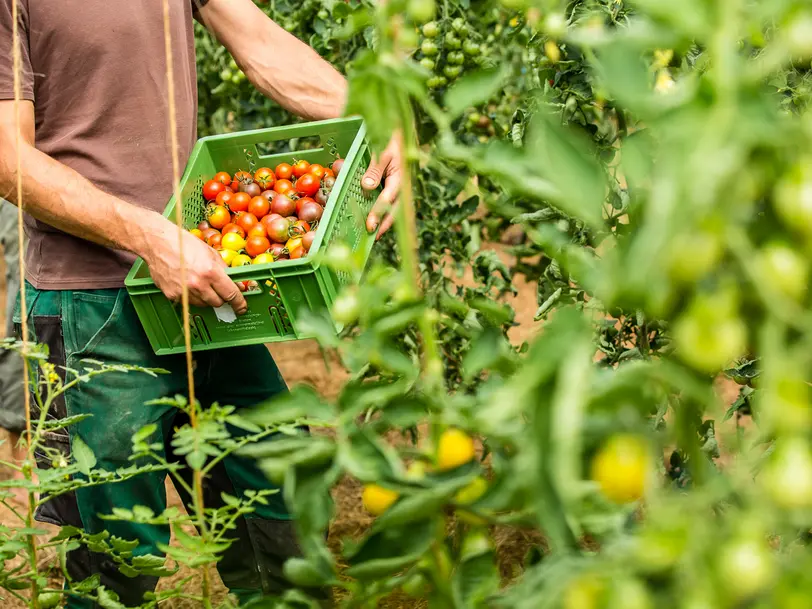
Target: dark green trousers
{"x":102,"y":325}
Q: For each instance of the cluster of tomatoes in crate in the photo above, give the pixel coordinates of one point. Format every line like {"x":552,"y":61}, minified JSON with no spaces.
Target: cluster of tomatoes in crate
{"x":266,"y":216}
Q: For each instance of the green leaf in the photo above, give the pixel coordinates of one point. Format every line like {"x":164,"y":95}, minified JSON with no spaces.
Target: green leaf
{"x":474,"y":89}
{"x":306,"y":574}
{"x":82,"y":455}
{"x":108,"y":599}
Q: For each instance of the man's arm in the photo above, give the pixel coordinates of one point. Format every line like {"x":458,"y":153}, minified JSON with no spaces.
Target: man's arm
{"x":277,"y":63}
{"x":60,"y":197}
{"x":288,"y":71}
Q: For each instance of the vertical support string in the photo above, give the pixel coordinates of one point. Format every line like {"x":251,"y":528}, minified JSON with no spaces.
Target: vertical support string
{"x":28,"y":468}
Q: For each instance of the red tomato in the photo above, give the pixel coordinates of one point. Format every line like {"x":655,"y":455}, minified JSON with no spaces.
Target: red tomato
{"x":217,"y":216}
{"x":246,"y":220}
{"x":240,"y":202}
{"x":283,"y":171}
{"x":299,"y":227}
{"x":279,"y":230}
{"x":224,"y":198}
{"x":203,"y":225}
{"x":317,"y":170}
{"x":311,"y":212}
{"x":278,"y":251}
{"x":301,"y":201}
{"x":268,"y":219}
{"x":283,"y":186}
{"x":264,"y":177}
{"x":214,"y":240}
{"x":251,"y":188}
{"x":233,"y":228}
{"x":337,"y":165}
{"x":211,"y":189}
{"x":301,"y":168}
{"x":239,"y":178}
{"x":307,"y":240}
{"x":223,"y":178}
{"x":295,"y":248}
{"x":258,"y":231}
{"x":208,"y":232}
{"x":259,"y":206}
{"x":307,"y":185}
{"x":256,"y":246}
{"x":283,"y":205}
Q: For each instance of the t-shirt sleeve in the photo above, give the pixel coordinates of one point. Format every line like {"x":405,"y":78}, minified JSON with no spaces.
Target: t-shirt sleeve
{"x":6,"y":55}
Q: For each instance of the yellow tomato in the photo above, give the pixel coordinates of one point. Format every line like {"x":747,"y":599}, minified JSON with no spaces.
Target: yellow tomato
{"x":241,"y":260}
{"x":232,"y":241}
{"x":265,"y":258}
{"x":227,"y":255}
{"x":455,"y":448}
{"x":197,"y":233}
{"x":472,"y":492}
{"x":378,"y":499}
{"x":621,"y":468}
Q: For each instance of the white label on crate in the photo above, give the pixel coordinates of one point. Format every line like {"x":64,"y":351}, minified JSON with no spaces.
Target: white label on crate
{"x":225,"y":314}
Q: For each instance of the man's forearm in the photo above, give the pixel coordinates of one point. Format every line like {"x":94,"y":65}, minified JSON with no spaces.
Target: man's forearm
{"x":277,"y":63}
{"x":62,"y":198}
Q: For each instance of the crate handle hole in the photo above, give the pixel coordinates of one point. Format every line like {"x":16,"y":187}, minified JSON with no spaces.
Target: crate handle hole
{"x":290,"y":146}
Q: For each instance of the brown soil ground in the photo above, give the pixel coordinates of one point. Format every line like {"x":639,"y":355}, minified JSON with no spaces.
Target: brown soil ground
{"x":351,"y":519}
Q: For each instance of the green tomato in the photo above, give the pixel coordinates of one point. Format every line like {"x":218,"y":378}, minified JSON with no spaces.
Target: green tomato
{"x":455,"y":58}
{"x":629,"y":593}
{"x":746,"y":568}
{"x":49,"y":600}
{"x":708,"y":336}
{"x":428,"y":48}
{"x":226,"y":75}
{"x":474,"y":117}
{"x":459,"y":26}
{"x":415,"y":586}
{"x":233,"y":64}
{"x":793,"y":198}
{"x":322,"y":14}
{"x":236,"y":80}
{"x":346,"y":308}
{"x":470,"y":48}
{"x":408,"y":38}
{"x":428,"y":63}
{"x":452,"y":41}
{"x":555,"y":25}
{"x":431,"y":29}
{"x":435,"y":82}
{"x":784,"y":269}
{"x":421,"y":10}
{"x":787,"y":478}
{"x":452,"y":72}
{"x":694,"y":254}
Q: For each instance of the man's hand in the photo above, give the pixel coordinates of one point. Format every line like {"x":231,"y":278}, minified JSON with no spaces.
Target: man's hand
{"x":205,"y":271}
{"x":389,"y":168}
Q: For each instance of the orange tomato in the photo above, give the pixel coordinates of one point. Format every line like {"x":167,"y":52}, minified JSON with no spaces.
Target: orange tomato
{"x":233,"y":228}
{"x":218,"y":216}
{"x":258,"y":231}
{"x":328,"y":172}
{"x":215,"y":240}
{"x":264,"y":177}
{"x":283,"y":186}
{"x":283,"y":171}
{"x":301,"y":168}
{"x":317,"y":170}
{"x":239,"y":201}
{"x":198,"y":233}
{"x":223,"y":178}
{"x":224,"y":199}
{"x":259,"y":206}
{"x":257,"y":245}
{"x":246,"y":220}
{"x":295,"y":248}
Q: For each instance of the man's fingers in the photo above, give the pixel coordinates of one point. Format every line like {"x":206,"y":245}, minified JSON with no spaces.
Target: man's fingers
{"x":230,"y":293}
{"x":372,"y":178}
{"x":380,"y":211}
{"x":385,"y":225}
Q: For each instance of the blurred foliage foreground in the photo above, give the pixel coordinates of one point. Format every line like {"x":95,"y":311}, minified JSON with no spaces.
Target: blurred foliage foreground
{"x":648,"y":166}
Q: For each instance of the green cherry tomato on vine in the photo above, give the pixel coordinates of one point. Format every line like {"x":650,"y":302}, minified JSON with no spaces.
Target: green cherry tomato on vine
{"x":709,"y":335}
{"x":49,"y":600}
{"x":421,"y":10}
{"x":226,"y":75}
{"x":428,"y":48}
{"x":793,"y":198}
{"x":746,"y":568}
{"x":471,"y":48}
{"x":428,"y":63}
{"x":431,"y":29}
{"x":629,"y":593}
{"x":345,"y":308}
{"x":459,"y":26}
{"x":408,"y":38}
{"x":787,"y":476}
{"x":322,"y":14}
{"x":694,"y":254}
{"x":452,"y":72}
{"x":436,"y":82}
{"x":455,"y":58}
{"x":784,"y":269}
{"x":452,"y":41}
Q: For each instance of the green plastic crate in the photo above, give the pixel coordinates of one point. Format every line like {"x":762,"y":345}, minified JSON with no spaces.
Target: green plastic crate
{"x":287,"y":288}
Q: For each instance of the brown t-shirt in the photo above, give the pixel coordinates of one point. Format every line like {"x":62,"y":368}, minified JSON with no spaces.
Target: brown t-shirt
{"x":96,"y":72}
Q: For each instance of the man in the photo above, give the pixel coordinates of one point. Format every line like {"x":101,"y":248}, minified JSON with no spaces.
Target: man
{"x":12,"y":415}
{"x":96,"y":173}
